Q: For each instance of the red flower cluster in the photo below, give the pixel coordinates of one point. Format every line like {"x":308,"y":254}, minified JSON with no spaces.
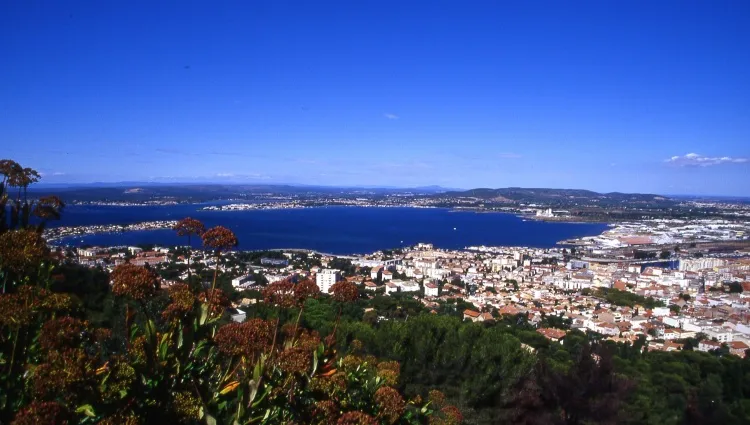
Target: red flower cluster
{"x":286,"y":294}
{"x":326,"y":412}
{"x":390,"y":404}
{"x":389,"y":372}
{"x":22,"y":250}
{"x":344,"y":291}
{"x":187,"y":406}
{"x":450,"y":416}
{"x":280,"y":293}
{"x":139,"y":283}
{"x":119,"y":380}
{"x":447,"y":414}
{"x":219,"y":238}
{"x":14,"y":311}
{"x":42,"y":412}
{"x":294,"y":360}
{"x":309,"y":340}
{"x":356,"y":418}
{"x":182,"y":303}
{"x":437,"y":398}
{"x":62,"y":333}
{"x":244,"y":339}
{"x":19,"y":308}
{"x":68,"y":374}
{"x":304,"y":290}
{"x":120,"y":419}
{"x":215,"y":299}
{"x":189,"y":227}
{"x":48,"y":208}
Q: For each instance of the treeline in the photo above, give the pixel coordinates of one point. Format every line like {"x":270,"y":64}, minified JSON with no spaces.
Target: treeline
{"x":623,"y":298}
{"x":506,"y":372}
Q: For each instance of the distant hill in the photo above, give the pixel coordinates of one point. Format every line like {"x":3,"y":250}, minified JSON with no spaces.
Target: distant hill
{"x":555,"y":196}
{"x":196,"y":192}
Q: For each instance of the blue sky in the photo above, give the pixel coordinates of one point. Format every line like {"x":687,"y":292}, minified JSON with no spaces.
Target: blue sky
{"x":643,"y":96}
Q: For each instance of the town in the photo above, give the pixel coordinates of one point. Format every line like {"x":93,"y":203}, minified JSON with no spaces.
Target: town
{"x":696,"y":300}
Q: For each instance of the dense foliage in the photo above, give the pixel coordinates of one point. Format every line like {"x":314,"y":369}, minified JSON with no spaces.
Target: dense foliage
{"x":624,"y":298}
{"x":78,"y":345}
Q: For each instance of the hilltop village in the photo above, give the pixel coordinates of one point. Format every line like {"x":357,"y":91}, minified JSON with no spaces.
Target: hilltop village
{"x":681,"y":300}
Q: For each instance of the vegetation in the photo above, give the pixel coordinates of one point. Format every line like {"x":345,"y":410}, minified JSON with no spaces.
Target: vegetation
{"x":79,"y":345}
{"x":171,"y":356}
{"x":625,"y":298}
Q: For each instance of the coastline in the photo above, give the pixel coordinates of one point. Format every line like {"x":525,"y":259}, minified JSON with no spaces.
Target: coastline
{"x":58,"y":233}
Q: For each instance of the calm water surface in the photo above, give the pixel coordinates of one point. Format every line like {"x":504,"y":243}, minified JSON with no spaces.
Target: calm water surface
{"x":338,"y":230}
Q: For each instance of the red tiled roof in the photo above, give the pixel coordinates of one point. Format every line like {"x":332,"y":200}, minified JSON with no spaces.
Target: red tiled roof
{"x":551,"y":333}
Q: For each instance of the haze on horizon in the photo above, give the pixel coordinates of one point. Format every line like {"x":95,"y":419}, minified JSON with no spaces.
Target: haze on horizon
{"x":640,"y":96}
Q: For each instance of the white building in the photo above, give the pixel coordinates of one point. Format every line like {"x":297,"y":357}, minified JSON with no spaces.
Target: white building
{"x":238,"y":315}
{"x":720,"y":334}
{"x":88,"y":252}
{"x":409,"y":286}
{"x":375,"y":272}
{"x":326,"y":278}
{"x":545,"y":213}
{"x":431,"y":290}
{"x":695,"y":264}
{"x":241,"y":281}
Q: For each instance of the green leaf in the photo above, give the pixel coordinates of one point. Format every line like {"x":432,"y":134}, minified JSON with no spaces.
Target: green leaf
{"x":258,"y":369}
{"x":164,"y":347}
{"x":253,"y":384}
{"x":179,"y":338}
{"x":87,"y":410}
{"x":204,"y":314}
{"x":315,"y":363}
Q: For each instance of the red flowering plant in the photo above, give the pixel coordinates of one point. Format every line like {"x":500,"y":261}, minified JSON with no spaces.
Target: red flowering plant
{"x":189,"y":227}
{"x":187,"y":365}
{"x":219,"y":239}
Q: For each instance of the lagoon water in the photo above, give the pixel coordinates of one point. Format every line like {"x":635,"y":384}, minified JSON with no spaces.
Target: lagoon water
{"x":339,"y":230}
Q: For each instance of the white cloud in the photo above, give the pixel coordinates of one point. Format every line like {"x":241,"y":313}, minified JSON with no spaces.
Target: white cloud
{"x":51,"y":173}
{"x":391,"y":116}
{"x":697,"y":160}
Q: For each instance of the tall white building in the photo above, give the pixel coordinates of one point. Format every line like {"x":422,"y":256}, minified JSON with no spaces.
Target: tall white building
{"x":326,"y":278}
{"x":545,"y":213}
{"x":695,"y":264}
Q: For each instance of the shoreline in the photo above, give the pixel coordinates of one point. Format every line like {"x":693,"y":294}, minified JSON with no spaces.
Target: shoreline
{"x":56,"y":234}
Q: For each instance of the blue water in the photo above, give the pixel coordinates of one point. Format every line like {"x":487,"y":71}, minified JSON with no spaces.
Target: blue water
{"x":339,"y":230}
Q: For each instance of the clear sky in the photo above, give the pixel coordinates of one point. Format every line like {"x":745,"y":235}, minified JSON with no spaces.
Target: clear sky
{"x":644,"y":96}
